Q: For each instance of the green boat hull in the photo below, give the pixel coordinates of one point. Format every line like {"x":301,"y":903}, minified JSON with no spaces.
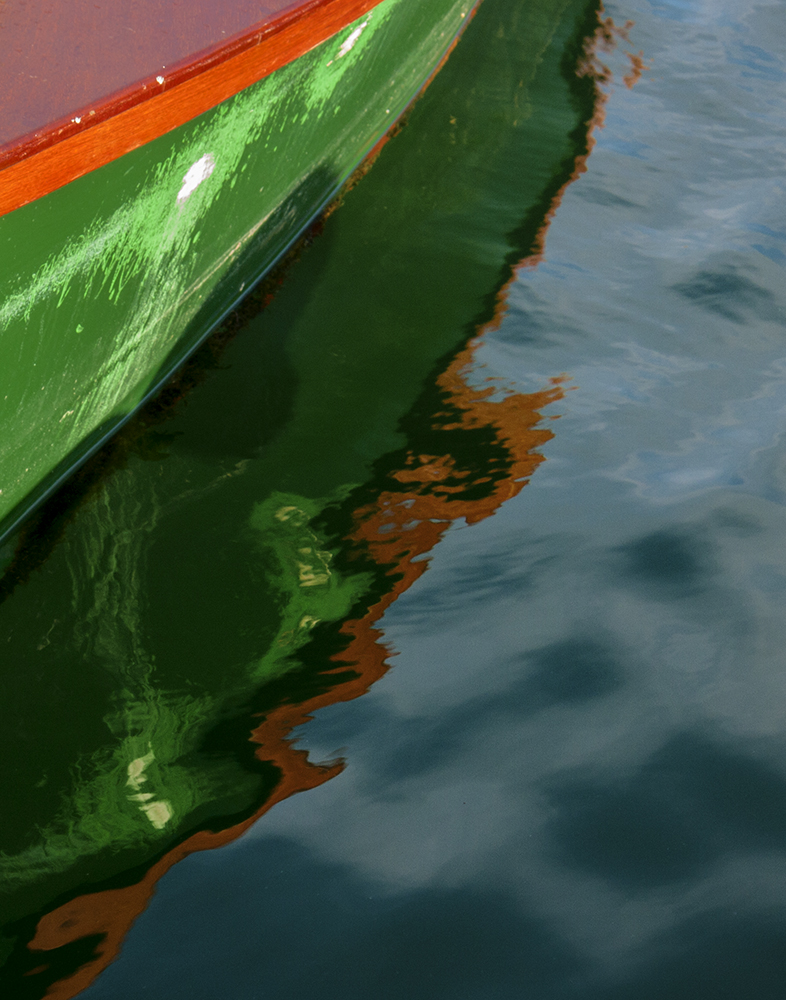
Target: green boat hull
{"x":110,"y":282}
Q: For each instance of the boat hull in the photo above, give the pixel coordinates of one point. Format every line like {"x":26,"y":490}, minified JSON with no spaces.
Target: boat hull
{"x":111,"y":281}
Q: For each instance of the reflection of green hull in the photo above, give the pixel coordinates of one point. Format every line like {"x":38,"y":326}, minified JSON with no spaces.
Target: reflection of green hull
{"x":172,"y":612}
{"x":107,"y":284}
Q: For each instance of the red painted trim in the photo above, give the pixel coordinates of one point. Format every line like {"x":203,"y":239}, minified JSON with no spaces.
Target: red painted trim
{"x":36,"y":164}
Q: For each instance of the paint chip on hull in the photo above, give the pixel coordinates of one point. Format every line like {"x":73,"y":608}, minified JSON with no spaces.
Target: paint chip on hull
{"x":195,"y":175}
{"x":349,"y":44}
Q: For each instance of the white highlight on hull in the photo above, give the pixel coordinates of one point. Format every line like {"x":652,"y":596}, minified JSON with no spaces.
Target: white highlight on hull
{"x":350,"y":42}
{"x":195,"y":175}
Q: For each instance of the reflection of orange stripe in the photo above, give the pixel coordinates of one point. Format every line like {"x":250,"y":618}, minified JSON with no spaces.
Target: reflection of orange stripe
{"x":597,"y":121}
{"x":602,"y":40}
{"x":110,"y":913}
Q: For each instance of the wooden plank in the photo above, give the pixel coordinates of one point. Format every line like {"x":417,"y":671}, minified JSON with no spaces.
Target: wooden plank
{"x":37,"y":164}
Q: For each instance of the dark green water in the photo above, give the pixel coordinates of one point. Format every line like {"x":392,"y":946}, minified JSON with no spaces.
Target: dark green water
{"x":570,"y":782}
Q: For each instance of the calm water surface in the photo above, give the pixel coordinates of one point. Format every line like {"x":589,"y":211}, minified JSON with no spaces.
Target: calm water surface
{"x":565,"y":777}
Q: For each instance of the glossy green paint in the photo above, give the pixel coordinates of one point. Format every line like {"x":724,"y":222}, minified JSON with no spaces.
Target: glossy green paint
{"x":107,"y":284}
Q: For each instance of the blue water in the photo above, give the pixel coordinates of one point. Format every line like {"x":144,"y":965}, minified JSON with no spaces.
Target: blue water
{"x":572,"y":781}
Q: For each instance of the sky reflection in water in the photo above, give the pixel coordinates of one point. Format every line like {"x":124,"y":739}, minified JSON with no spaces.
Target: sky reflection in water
{"x":572,"y":781}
